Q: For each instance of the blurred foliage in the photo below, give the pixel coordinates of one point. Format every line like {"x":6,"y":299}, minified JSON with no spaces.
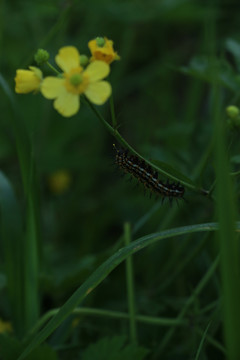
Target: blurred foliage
{"x":161,"y":92}
{"x":113,"y":349}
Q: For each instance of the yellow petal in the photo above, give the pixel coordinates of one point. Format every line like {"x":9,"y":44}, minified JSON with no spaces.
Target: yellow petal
{"x":98,"y":92}
{"x":52,"y":87}
{"x":67,"y":104}
{"x":68,"y":58}
{"x":36,"y":71}
{"x":92,"y":44}
{"x":27,"y":81}
{"x":97,"y":70}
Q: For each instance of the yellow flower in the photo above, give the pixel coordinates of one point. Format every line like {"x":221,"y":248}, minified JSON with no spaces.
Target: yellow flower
{"x":28,"y":80}
{"x":5,"y":326}
{"x":59,"y":181}
{"x":102,"y":49}
{"x":75,"y":322}
{"x":76,"y":81}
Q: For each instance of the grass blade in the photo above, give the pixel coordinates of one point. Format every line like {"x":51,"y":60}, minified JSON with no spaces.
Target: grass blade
{"x":29,"y":245}
{"x":227,"y":240}
{"x":201,"y":343}
{"x":12,"y":235}
{"x":103,"y":271}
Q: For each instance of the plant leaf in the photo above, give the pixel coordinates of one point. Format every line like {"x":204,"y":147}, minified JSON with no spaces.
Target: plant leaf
{"x":114,"y":348}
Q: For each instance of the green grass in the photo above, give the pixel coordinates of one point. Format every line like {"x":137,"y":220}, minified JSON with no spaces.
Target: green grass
{"x":101,"y":270}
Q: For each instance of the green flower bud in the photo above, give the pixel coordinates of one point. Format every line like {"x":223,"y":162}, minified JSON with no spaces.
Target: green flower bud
{"x":41,"y":56}
{"x":232,"y":111}
{"x":84,"y":60}
{"x":100,"y":41}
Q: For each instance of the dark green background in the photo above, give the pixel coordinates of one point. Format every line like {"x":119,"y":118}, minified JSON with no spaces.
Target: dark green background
{"x":162,"y":112}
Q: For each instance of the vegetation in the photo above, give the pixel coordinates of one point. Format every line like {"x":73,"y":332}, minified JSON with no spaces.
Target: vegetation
{"x":92,"y":265}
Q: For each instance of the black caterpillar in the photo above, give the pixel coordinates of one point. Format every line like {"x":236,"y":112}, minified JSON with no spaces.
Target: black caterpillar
{"x":145,"y":174}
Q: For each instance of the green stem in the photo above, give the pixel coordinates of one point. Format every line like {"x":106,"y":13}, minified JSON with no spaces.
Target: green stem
{"x":122,"y":141}
{"x":52,"y":68}
{"x":150,"y":320}
{"x":212,"y":341}
{"x":113,"y":116}
{"x":130,"y":287}
{"x":29,"y":254}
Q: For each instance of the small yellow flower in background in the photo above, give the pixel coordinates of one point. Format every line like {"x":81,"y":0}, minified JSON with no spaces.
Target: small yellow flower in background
{"x":76,"y":81}
{"x":28,"y":80}
{"x":5,"y":326}
{"x":59,"y":181}
{"x":102,"y":49}
{"x":75,"y":322}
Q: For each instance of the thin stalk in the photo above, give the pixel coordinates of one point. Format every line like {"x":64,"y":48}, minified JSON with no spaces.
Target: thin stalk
{"x":86,"y":311}
{"x":113,"y":116}
{"x":53,"y":68}
{"x":130,"y":287}
{"x":197,"y":357}
{"x":226,"y":210}
{"x":212,"y":341}
{"x":122,"y":141}
{"x":29,"y":246}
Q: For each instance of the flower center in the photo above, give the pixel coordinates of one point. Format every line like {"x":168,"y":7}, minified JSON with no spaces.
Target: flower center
{"x":76,"y":81}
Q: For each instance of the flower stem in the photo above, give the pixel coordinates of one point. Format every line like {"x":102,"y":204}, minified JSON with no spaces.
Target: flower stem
{"x":114,"y":120}
{"x":53,"y":68}
{"x":122,"y":141}
{"x":130,"y":287}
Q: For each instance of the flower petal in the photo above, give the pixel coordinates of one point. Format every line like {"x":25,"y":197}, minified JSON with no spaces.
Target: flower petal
{"x":97,"y":70}
{"x":52,"y":87}
{"x":36,"y":71}
{"x":68,"y":58}
{"x":27,"y":80}
{"x":98,"y":92}
{"x":67,"y":104}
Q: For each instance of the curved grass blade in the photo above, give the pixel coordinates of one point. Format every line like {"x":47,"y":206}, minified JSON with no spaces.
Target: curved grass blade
{"x":103,"y":271}
{"x":201,"y":343}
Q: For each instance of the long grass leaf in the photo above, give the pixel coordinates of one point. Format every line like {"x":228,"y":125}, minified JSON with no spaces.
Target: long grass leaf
{"x":12,"y":235}
{"x":29,"y":246}
{"x":227,"y":239}
{"x":104,"y":270}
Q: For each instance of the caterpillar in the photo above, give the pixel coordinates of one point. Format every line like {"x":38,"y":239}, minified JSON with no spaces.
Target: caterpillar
{"x":145,"y":174}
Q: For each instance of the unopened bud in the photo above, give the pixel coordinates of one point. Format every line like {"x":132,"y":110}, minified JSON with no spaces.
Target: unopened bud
{"x":41,"y":56}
